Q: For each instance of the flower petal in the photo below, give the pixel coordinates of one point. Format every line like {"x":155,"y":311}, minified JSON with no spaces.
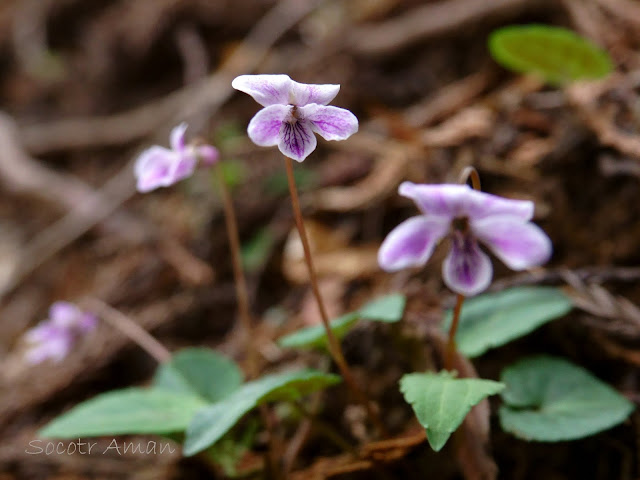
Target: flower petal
{"x":297,"y":140}
{"x":518,"y":244}
{"x":182,"y":167}
{"x":153,"y":168}
{"x":304,"y":93}
{"x":265,"y":89}
{"x":411,"y":243}
{"x":41,"y":332}
{"x":56,"y":348}
{"x":331,"y":123}
{"x":87,"y":322}
{"x":265,"y":126}
{"x":176,"y":138}
{"x":208,"y":154}
{"x":483,"y":205}
{"x":64,"y":314}
{"x":467,"y":270}
{"x":452,"y":201}
{"x":445,"y":201}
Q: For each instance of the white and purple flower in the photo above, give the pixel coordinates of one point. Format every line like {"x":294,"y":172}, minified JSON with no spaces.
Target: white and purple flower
{"x":162,"y":167}
{"x":54,"y":338}
{"x":466,"y":216}
{"x":293,"y":112}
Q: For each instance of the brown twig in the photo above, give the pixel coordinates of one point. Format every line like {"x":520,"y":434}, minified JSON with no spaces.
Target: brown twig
{"x":129,"y":328}
{"x":86,"y":208}
{"x":205,"y":96}
{"x":428,"y":21}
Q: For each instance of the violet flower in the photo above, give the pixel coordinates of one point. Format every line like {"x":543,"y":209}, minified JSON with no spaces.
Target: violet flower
{"x":54,"y":338}
{"x":466,"y":216}
{"x":162,"y":167}
{"x":293,"y":112}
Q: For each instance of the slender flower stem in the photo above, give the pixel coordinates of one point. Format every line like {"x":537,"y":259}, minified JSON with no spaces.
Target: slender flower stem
{"x":451,"y":344}
{"x":334,"y":345}
{"x":129,"y":328}
{"x":242,"y":292}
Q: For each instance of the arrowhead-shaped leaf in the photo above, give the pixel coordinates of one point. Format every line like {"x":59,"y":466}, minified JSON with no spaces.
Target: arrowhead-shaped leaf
{"x":213,"y":421}
{"x":549,"y":399}
{"x":494,"y":319}
{"x":388,"y":309}
{"x":199,"y":371}
{"x":441,"y":401}
{"x":556,"y":54}
{"x":129,"y":411}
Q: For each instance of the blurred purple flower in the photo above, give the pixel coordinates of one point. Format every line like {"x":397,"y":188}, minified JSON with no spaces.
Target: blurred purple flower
{"x":161,"y":167}
{"x":53,"y":338}
{"x":293,"y":112}
{"x":466,"y":216}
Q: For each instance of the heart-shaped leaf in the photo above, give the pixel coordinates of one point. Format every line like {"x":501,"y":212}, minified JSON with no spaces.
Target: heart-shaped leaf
{"x":441,"y":401}
{"x":556,"y":54}
{"x":388,"y":309}
{"x":213,"y":421}
{"x":549,"y":399}
{"x":494,"y":319}
{"x":199,"y":371}
{"x":128,"y":411}
{"x":385,"y":309}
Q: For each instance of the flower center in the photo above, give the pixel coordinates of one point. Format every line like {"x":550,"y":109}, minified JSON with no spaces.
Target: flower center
{"x":460,"y":224}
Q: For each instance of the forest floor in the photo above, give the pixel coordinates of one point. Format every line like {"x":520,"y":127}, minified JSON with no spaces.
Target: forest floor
{"x":84,"y":86}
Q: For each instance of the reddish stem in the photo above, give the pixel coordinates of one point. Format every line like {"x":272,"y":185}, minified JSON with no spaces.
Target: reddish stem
{"x":451,"y":344}
{"x":335,"y":348}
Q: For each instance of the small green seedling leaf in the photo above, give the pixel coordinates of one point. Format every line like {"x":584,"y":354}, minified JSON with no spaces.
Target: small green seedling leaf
{"x":549,"y":399}
{"x":388,"y":309}
{"x":441,"y":401}
{"x":213,"y":421}
{"x":556,"y":54}
{"x":256,"y":252}
{"x":199,"y":372}
{"x":494,"y":319}
{"x":128,"y":411}
{"x":234,"y":173}
{"x":316,"y":337}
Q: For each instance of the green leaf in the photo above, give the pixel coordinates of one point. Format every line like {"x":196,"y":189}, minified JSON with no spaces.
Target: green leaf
{"x":556,"y":54}
{"x":128,"y":411}
{"x":387,"y":309}
{"x":316,"y":337}
{"x":199,"y":372}
{"x":441,"y":401}
{"x":234,"y":173}
{"x":549,"y":399}
{"x":494,"y":319}
{"x":229,"y":450}
{"x":213,"y":421}
{"x":256,"y":252}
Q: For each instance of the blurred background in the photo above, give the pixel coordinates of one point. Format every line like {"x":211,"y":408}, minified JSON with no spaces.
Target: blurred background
{"x":85,"y":85}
